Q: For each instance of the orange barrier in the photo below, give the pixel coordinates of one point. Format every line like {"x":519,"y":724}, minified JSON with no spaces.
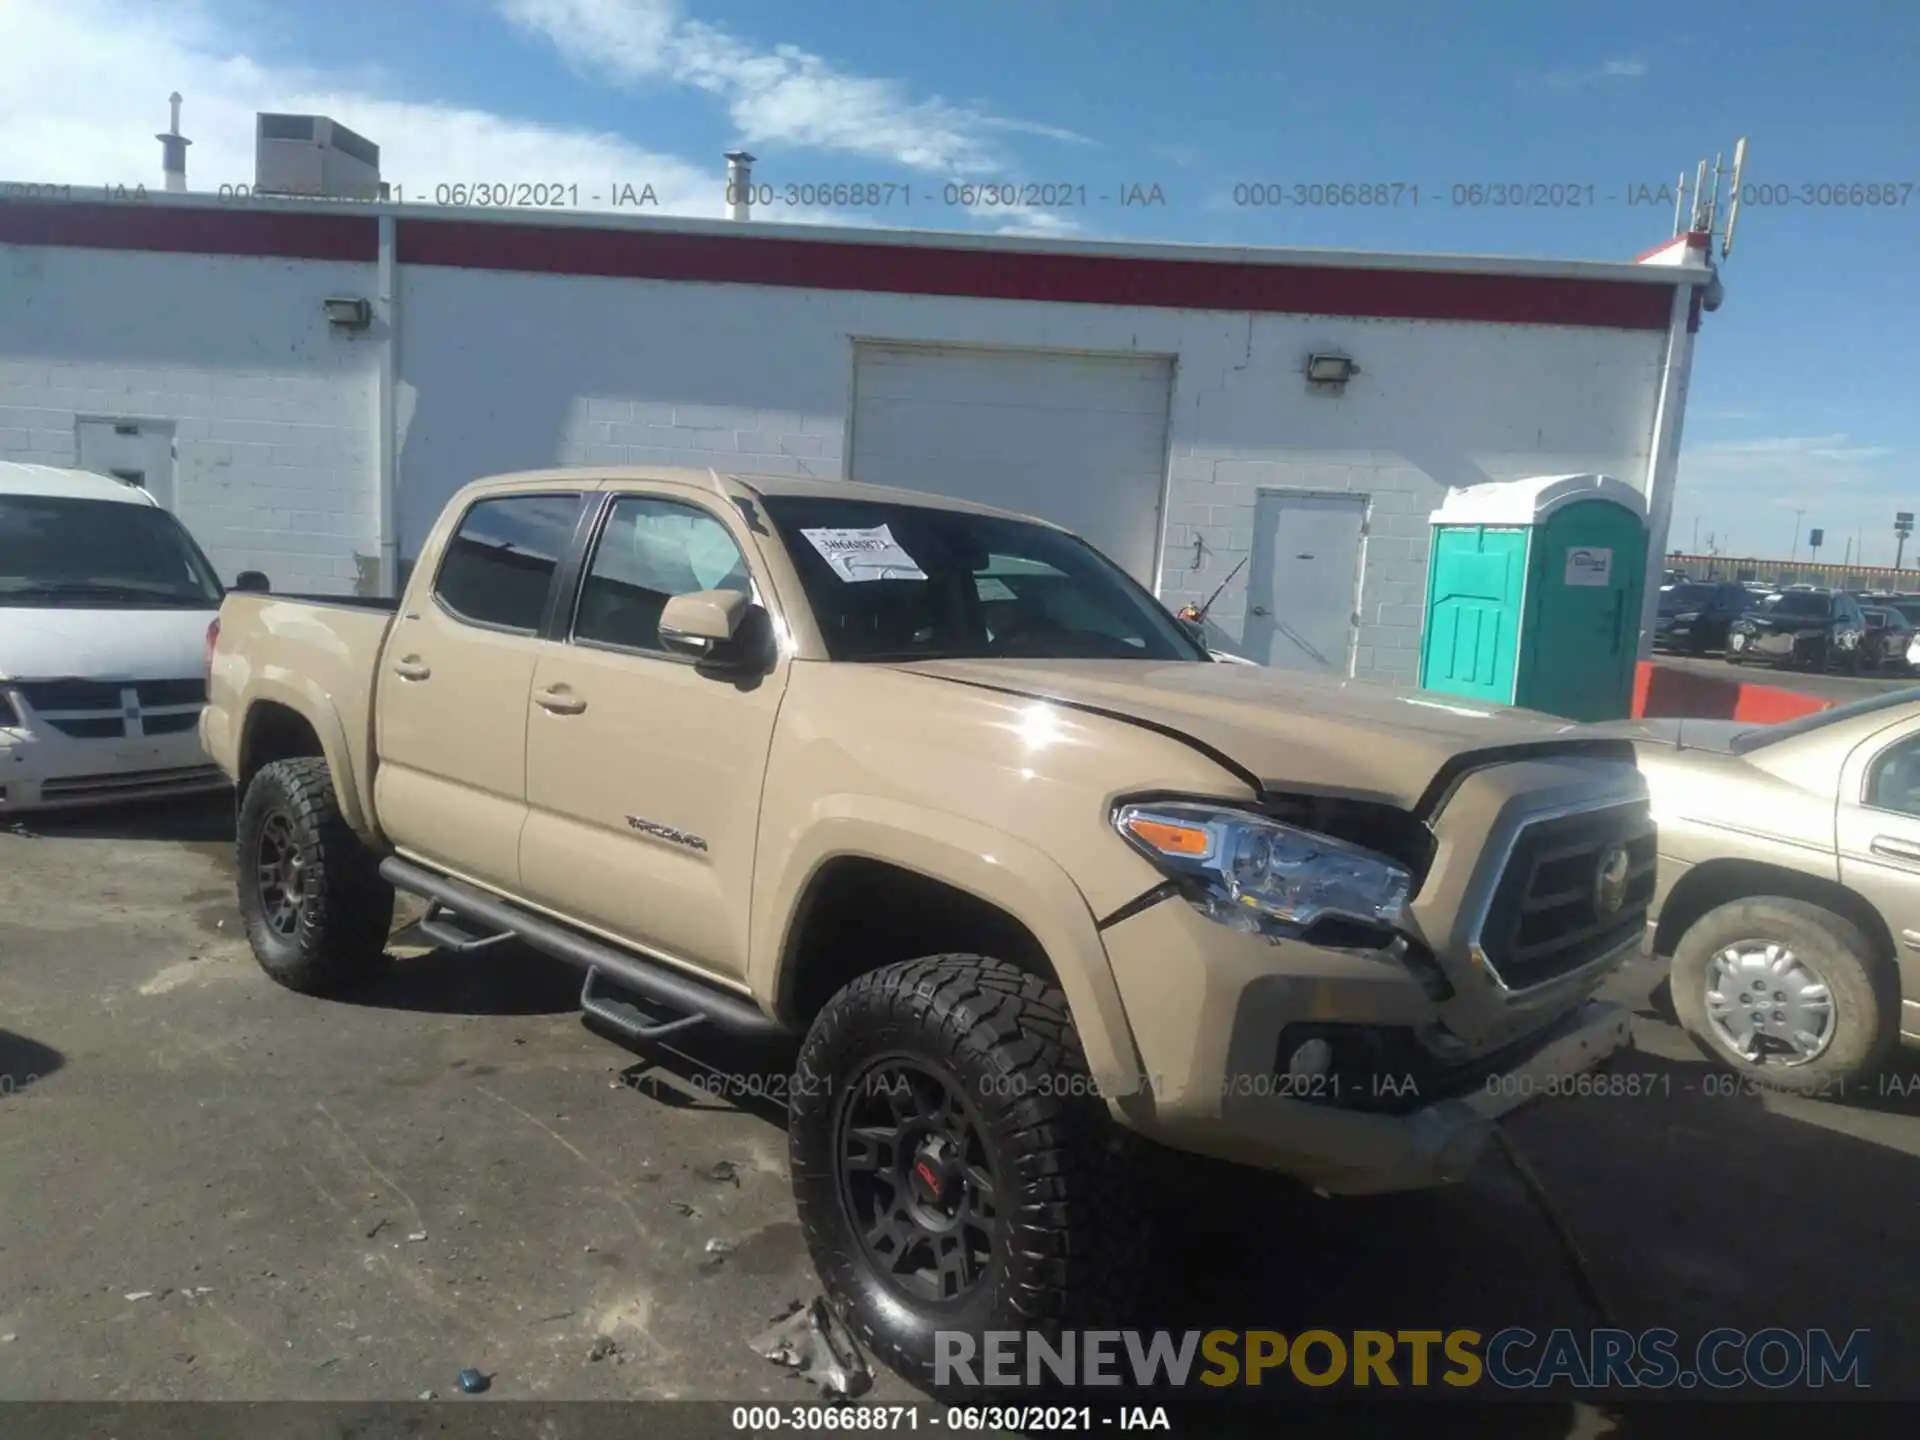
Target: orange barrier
{"x":1663,"y":691}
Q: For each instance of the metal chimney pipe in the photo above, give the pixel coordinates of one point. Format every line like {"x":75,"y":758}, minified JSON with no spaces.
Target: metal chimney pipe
{"x":739,"y":185}
{"x":173,"y":150}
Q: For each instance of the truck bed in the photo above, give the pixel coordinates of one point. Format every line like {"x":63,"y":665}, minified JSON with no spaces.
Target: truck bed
{"x":316,"y":655}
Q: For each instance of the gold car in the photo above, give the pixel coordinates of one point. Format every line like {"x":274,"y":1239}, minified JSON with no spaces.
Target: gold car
{"x":1788,"y":896}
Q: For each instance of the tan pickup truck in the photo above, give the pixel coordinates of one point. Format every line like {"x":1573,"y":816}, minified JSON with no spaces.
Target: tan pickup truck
{"x":945,"y":796}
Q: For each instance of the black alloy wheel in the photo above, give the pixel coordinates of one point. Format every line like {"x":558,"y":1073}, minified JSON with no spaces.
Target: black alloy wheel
{"x":917,"y":1180}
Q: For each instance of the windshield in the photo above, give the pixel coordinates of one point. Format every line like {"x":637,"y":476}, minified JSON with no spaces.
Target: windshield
{"x":1680,"y":597}
{"x":911,"y":582}
{"x":99,"y":554}
{"x":1800,"y":603}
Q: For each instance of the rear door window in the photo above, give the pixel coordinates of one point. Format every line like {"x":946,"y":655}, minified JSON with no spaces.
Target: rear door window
{"x":499,"y":567}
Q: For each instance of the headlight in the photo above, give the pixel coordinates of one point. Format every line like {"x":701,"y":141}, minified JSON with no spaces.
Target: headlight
{"x":1262,"y":876}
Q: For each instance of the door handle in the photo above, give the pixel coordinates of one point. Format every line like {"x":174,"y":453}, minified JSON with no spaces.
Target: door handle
{"x":412,"y":667}
{"x":1258,"y":610}
{"x":1893,"y":848}
{"x":559,"y":701}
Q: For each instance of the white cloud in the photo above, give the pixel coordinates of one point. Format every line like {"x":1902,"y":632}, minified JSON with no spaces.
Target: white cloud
{"x":71,"y":117}
{"x":1748,"y":490}
{"x":1577,"y":78}
{"x":778,"y":95}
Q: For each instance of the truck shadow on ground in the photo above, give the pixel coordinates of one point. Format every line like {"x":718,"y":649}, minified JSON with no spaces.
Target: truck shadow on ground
{"x":24,"y":1063}
{"x":195,"y":821}
{"x":1687,"y":1207}
{"x":517,"y":980}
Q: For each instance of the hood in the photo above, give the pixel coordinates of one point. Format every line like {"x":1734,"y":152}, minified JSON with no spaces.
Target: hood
{"x":1680,"y":734}
{"x":1301,"y":732}
{"x":71,"y":643}
{"x":1764,"y":620}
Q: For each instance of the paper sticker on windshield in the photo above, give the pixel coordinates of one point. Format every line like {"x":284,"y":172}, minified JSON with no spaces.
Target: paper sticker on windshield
{"x":1588,"y":566}
{"x":857,"y":555}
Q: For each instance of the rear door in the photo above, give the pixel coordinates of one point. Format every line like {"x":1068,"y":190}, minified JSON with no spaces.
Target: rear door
{"x":451,"y":695}
{"x":1878,"y":826}
{"x":644,"y":770}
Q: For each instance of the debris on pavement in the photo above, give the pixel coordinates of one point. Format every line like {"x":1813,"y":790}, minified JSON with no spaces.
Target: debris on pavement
{"x":717,"y":1252}
{"x":375,"y":1228}
{"x":692,"y":1212}
{"x":428,"y":1395}
{"x":814,"y":1343}
{"x":725,"y":1171}
{"x":9,"y":1337}
{"x":416,"y":1237}
{"x":602,"y":1347}
{"x":139,"y":1295}
{"x":473,"y":1381}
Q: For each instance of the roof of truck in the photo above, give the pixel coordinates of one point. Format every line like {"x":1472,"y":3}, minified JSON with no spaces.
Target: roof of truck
{"x":20,"y":479}
{"x":743,"y":486}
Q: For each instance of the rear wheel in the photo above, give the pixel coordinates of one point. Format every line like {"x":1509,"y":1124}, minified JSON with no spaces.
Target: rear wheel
{"x":953,"y":1167}
{"x":1788,"y":993}
{"x":315,"y":908}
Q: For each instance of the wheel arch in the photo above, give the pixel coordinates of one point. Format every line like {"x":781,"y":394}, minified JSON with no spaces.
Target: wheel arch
{"x":283,"y":722}
{"x":947,"y":885}
{"x":1713,"y":883}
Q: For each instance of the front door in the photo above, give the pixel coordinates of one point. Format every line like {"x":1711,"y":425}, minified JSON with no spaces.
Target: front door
{"x":1878,"y":826}
{"x":1582,"y":630}
{"x":643,"y":770}
{"x":451,"y":693}
{"x":1302,"y":594}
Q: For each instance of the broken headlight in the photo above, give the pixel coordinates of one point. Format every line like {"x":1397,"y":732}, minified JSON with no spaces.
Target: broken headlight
{"x":1262,"y":876}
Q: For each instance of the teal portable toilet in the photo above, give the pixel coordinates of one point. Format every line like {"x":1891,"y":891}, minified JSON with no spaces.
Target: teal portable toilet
{"x":1533,"y":594}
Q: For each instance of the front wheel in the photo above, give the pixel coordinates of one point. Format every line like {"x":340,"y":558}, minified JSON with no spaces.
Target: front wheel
{"x":315,"y":908}
{"x":1788,"y":993}
{"x":954,"y":1170}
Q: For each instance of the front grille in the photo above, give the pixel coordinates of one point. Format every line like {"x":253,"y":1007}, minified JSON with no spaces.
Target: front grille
{"x":1544,"y":920}
{"x":96,"y":709}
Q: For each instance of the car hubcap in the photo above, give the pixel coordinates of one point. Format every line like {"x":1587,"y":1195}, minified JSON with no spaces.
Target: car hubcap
{"x":282,"y":874}
{"x":916,"y":1180}
{"x":1768,"y":1005}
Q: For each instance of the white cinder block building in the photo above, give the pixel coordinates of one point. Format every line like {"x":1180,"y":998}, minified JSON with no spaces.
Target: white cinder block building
{"x":305,"y":382}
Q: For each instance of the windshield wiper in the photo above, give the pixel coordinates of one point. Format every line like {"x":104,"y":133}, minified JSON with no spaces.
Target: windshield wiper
{"x":96,"y":589}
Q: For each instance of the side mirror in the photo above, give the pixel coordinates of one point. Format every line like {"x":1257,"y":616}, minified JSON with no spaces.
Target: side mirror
{"x":701,"y":623}
{"x":252,"y":582}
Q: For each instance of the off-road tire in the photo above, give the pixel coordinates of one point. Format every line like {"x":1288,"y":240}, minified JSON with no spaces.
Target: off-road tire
{"x":1072,"y":1233}
{"x":346,"y":908}
{"x":1862,"y":982}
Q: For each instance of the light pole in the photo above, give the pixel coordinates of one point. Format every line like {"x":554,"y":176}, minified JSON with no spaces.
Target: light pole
{"x":1696,"y":534}
{"x":1794,"y":554}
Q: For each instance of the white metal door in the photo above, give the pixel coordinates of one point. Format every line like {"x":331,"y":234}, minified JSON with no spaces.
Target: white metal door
{"x":1077,"y":439}
{"x":139,"y":452}
{"x":1302,"y":592}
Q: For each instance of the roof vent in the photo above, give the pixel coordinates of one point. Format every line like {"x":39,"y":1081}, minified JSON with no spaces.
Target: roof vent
{"x":310,"y":155}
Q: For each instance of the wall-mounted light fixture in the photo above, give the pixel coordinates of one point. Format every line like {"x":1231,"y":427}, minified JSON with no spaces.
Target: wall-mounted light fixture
{"x":345,"y":312}
{"x":1330,"y":369}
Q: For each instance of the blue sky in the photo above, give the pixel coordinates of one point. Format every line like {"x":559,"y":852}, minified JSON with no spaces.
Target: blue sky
{"x":1805,"y":381}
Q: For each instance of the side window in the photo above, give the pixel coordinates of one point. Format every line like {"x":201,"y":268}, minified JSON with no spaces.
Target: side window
{"x":1893,"y":780}
{"x":499,"y":566}
{"x":651,"y":550}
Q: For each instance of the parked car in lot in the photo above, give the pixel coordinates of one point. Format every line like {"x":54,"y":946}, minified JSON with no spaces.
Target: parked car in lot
{"x":1801,"y":629}
{"x":104,"y":604}
{"x":1888,"y":640}
{"x":1789,"y":889}
{"x":1695,"y":615}
{"x":944,"y":797}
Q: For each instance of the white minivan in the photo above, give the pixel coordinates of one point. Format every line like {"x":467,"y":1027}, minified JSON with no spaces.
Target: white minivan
{"x":105,"y":604}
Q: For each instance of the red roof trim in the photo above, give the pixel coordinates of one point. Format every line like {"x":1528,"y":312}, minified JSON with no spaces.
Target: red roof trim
{"x":835,"y":265}
{"x":133,"y":226}
{"x":999,"y":275}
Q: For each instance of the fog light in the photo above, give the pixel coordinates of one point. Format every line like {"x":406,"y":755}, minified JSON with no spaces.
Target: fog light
{"x":1312,"y":1059}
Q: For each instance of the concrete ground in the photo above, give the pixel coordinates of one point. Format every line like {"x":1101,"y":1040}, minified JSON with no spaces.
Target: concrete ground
{"x":213,"y":1188}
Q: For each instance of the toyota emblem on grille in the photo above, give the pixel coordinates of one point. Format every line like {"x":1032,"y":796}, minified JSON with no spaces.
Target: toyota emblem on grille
{"x":1610,"y":881}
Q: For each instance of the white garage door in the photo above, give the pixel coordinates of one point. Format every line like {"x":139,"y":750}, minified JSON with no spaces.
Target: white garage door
{"x":1077,"y":439}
